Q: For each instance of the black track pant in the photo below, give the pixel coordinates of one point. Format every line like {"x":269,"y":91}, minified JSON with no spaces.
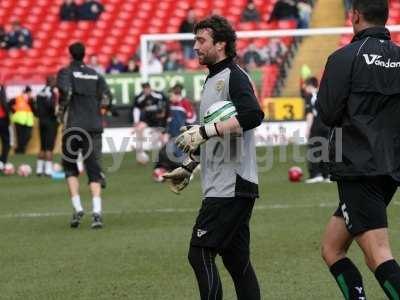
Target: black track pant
{"x":5,"y":140}
{"x":23,"y":136}
{"x":239,"y":266}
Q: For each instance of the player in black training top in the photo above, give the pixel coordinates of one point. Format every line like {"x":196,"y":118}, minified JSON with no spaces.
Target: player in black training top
{"x":45,"y":104}
{"x":150,"y":110}
{"x":83,"y":93}
{"x":317,"y":134}
{"x":359,"y":97}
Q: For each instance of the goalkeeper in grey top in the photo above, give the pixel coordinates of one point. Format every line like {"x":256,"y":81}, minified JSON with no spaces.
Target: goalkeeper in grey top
{"x":228,"y":166}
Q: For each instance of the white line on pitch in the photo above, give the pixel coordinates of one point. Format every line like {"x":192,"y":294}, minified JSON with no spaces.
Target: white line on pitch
{"x":164,"y":210}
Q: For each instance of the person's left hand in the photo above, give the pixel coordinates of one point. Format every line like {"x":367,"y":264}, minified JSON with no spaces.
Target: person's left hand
{"x":179,"y":179}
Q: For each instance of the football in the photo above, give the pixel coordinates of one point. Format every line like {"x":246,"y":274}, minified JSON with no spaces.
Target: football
{"x":24,"y":170}
{"x":295,"y":174}
{"x":142,"y":158}
{"x":158,"y":174}
{"x":8,"y":169}
{"x":219,"y":111}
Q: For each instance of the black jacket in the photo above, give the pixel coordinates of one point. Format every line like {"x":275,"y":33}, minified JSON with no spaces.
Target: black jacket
{"x":45,"y":104}
{"x":82,"y":94}
{"x":4,"y":103}
{"x":154,"y":108}
{"x":360,"y":96}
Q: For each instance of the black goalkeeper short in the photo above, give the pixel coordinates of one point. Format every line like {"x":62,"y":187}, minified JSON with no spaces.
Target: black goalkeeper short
{"x":223,"y":224}
{"x":363,"y":202}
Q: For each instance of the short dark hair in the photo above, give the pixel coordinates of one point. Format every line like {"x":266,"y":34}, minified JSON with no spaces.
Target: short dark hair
{"x":222,"y":31}
{"x":177,"y":89}
{"x":145,"y":85}
{"x":313,"y":81}
{"x":375,"y":12}
{"x":77,"y":51}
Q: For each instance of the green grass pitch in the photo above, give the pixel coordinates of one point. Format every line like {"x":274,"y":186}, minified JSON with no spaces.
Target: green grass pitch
{"x":142,"y":251}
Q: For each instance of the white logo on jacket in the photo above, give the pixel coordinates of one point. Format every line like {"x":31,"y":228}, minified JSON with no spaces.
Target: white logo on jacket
{"x":201,"y":232}
{"x":374,"y":59}
{"x":80,"y":75}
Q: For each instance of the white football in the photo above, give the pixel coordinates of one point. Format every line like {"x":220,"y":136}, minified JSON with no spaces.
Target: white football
{"x":8,"y":169}
{"x":24,"y":170}
{"x":142,"y":157}
{"x":158,"y":174}
{"x":220,"y":111}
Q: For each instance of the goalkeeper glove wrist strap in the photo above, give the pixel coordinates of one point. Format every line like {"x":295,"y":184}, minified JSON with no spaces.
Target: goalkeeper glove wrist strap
{"x":209,"y":130}
{"x":189,"y":165}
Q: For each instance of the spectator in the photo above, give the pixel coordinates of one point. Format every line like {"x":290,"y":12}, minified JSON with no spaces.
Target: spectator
{"x":23,"y":118}
{"x":90,"y":10}
{"x":4,"y":131}
{"x":284,"y":10}
{"x":304,"y":8}
{"x":274,"y":52}
{"x":154,"y":65}
{"x":171,"y":62}
{"x":69,"y":11}
{"x":348,"y":5}
{"x":3,"y":38}
{"x":250,"y":13}
{"x":159,"y":49}
{"x":94,"y":64}
{"x":252,"y":57}
{"x":133,"y":66}
{"x":19,"y":37}
{"x":115,"y":66}
{"x":187,"y":26}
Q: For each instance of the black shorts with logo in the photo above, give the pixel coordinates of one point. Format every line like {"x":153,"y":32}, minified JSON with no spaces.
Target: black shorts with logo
{"x":223,"y":224}
{"x":363,"y":202}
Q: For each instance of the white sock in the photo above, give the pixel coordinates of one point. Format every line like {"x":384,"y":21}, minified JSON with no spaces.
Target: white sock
{"x":76,"y":203}
{"x":48,"y":167}
{"x":96,"y":205}
{"x":39,"y":166}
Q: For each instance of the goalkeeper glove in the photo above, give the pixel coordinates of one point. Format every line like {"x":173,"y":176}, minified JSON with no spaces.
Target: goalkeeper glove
{"x":193,"y":136}
{"x":180,"y":177}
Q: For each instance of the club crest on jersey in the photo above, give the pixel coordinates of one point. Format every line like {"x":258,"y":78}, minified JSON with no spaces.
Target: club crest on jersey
{"x":201,"y":232}
{"x":219,"y":86}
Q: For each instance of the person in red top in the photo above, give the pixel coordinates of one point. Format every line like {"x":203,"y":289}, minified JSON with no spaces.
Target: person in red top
{"x":4,"y":124}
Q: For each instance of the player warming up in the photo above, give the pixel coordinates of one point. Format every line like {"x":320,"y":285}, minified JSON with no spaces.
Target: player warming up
{"x":229,"y":112}
{"x":82,"y":93}
{"x":359,"y":97}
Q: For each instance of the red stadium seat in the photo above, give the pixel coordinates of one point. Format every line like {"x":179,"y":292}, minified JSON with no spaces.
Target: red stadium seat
{"x":116,"y":32}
